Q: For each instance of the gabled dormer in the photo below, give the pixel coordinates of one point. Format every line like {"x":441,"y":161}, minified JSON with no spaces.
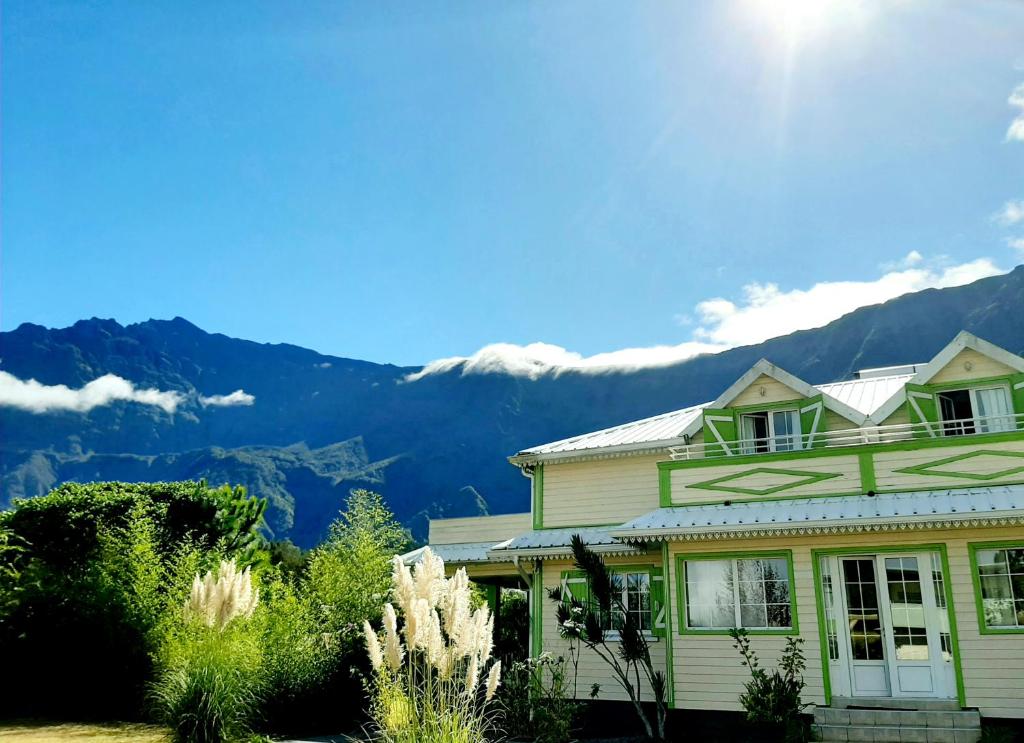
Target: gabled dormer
{"x":769,"y":410}
{"x":970,"y":387}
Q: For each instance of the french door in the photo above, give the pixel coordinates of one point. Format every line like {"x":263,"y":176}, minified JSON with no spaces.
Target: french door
{"x":888,"y":625}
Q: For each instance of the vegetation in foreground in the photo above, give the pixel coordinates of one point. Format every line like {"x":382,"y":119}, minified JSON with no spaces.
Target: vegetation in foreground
{"x":165,"y":602}
{"x":111,"y":732}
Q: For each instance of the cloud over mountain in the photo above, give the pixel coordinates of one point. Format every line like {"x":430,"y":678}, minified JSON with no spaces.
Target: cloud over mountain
{"x":765,"y":311}
{"x":238,"y":397}
{"x":36,"y":397}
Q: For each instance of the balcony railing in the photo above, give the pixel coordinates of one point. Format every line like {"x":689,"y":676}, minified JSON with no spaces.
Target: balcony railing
{"x":866,"y":435}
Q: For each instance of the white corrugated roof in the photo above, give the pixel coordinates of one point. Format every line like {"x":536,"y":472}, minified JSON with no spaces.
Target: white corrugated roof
{"x":863,"y":395}
{"x":885,"y":511}
{"x":455,"y":553}
{"x":557,"y":542}
{"x":666,"y":428}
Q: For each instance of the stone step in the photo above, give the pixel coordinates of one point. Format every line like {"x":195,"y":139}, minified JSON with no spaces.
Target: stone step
{"x":897,"y":718}
{"x":884,"y":734}
{"x":908,"y":703}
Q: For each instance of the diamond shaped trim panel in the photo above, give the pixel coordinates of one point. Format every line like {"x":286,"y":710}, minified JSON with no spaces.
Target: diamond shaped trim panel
{"x":983,"y":464}
{"x":763,"y":481}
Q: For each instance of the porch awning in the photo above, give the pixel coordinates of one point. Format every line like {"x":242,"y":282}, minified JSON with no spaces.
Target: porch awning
{"x":465,"y":552}
{"x":957,"y":508}
{"x":557,"y":543}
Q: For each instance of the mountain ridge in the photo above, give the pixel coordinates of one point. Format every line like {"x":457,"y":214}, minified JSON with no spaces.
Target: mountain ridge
{"x":433,"y":447}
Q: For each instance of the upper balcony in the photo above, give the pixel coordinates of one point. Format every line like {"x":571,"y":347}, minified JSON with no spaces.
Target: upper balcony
{"x":955,"y":453}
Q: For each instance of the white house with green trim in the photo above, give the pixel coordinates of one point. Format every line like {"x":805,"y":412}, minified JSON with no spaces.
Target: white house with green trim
{"x":880,"y":518}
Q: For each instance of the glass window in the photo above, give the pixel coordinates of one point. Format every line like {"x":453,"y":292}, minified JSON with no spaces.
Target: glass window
{"x":752,"y":593}
{"x":635,"y":594}
{"x":1001,"y":575}
{"x":777,"y":430}
{"x":993,"y":410}
{"x":984,"y":410}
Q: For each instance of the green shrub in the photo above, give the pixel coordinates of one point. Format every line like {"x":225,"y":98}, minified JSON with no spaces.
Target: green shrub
{"x":209,"y":683}
{"x":535,"y":699}
{"x":773,"y":699}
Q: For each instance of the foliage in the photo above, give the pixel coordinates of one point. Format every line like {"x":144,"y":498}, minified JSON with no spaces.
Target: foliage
{"x":579,"y":622}
{"x":208,"y":688}
{"x":536,"y":702}
{"x":513,"y":640}
{"x":350,"y":573}
{"x":84,"y":582}
{"x":773,"y":698}
{"x":431,"y":682}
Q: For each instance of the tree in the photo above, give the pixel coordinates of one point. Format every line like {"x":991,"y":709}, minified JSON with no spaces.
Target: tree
{"x":583,"y":621}
{"x":351,"y":572}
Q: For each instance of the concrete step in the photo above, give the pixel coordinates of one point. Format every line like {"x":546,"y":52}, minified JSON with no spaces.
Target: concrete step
{"x":908,"y":703}
{"x":884,"y":734}
{"x":898,"y":718}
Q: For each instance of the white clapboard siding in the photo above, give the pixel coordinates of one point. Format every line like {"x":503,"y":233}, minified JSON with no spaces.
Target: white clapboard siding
{"x":846,"y":467}
{"x":774,"y":391}
{"x":609,"y":491}
{"x":982,"y":367}
{"x":479,"y":528}
{"x":887,"y":463}
{"x":707,"y":671}
{"x":592,"y":669}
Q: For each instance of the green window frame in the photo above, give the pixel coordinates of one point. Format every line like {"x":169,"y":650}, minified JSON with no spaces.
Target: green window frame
{"x":993,"y":570}
{"x":734,"y":559}
{"x":574,"y":582}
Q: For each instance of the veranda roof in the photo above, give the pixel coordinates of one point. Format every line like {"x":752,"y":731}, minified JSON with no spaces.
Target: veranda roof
{"x":466,"y":552}
{"x":956,"y":508}
{"x":557,"y":543}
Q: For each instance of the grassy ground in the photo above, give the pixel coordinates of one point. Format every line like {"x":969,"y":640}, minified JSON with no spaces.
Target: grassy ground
{"x":107,"y":732}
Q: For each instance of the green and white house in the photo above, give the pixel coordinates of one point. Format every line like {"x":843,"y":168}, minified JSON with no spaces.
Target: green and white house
{"x":881,"y":519}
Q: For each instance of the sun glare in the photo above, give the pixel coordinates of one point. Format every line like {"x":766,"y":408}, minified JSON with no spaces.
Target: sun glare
{"x":798,"y":21}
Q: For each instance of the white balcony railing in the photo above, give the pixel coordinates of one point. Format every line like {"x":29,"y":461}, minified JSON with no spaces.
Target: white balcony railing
{"x":866,"y":435}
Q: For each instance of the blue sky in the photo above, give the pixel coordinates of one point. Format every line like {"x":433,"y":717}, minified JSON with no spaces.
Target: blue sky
{"x":406,"y":182}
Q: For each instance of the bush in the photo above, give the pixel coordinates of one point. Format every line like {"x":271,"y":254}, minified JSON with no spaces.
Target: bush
{"x":536,"y":700}
{"x":773,"y":698}
{"x":209,"y":683}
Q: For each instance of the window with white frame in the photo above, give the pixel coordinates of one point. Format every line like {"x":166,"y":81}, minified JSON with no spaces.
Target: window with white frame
{"x":635,"y":594}
{"x":1001,"y":582}
{"x":753,"y":593}
{"x":976,"y":410}
{"x":772,"y":430}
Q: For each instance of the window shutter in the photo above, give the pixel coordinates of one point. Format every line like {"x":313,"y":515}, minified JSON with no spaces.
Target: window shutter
{"x":658,"y":608}
{"x":1017,"y":394}
{"x":812,"y":423}
{"x":719,"y":432}
{"x":923,"y":409}
{"x":574,"y":583}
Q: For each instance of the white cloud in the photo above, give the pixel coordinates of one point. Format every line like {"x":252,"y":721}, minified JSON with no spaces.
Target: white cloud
{"x":238,"y":397}
{"x":36,"y":397}
{"x":764,"y":312}
{"x":1017,"y":243}
{"x":910,"y":260}
{"x":1011,"y":213}
{"x":1016,"y":130}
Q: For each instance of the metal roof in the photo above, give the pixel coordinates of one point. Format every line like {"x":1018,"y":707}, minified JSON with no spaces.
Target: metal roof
{"x":558,"y":543}
{"x":865,"y":395}
{"x":882,"y":512}
{"x":465,"y":552}
{"x":665,"y":428}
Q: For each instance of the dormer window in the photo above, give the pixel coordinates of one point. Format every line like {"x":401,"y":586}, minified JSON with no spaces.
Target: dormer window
{"x":981,"y":410}
{"x":770,"y":431}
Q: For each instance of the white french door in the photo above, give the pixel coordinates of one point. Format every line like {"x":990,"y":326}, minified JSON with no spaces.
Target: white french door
{"x":887,"y":625}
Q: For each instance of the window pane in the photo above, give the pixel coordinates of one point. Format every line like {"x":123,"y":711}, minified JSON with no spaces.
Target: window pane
{"x":787,"y":430}
{"x":753,"y":616}
{"x":709,"y":593}
{"x":994,"y":412}
{"x":1015,"y":558}
{"x":996,"y":587}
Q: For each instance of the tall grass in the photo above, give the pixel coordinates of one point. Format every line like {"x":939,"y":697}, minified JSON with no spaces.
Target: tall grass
{"x":433,"y":678}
